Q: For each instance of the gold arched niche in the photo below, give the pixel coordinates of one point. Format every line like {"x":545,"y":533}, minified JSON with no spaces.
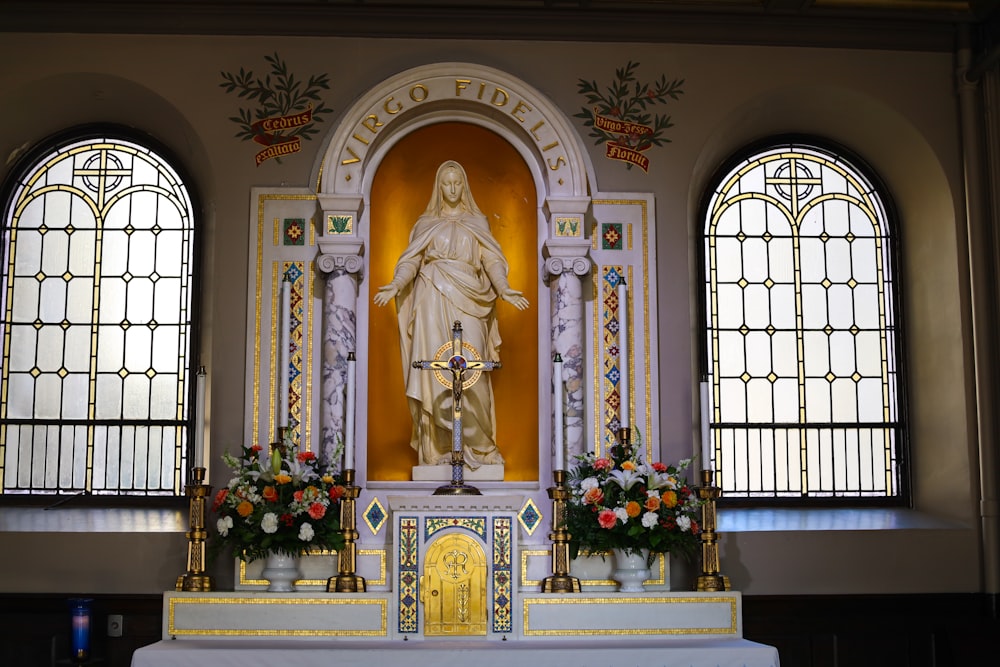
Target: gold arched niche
{"x":505,"y":191}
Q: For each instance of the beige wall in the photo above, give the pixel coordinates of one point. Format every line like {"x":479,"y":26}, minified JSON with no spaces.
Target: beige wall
{"x":896,"y":109}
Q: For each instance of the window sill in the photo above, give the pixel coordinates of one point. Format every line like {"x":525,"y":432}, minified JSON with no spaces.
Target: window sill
{"x":93,"y":520}
{"x":748,"y":520}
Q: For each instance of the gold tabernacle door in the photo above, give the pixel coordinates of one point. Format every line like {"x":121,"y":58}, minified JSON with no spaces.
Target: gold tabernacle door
{"x":453,"y":587}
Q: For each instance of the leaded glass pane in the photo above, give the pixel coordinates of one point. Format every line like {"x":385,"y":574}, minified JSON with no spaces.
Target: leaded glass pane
{"x":801,"y":343}
{"x":96,"y":319}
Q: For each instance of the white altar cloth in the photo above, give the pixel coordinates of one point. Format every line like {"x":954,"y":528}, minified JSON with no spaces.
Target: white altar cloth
{"x":458,"y":652}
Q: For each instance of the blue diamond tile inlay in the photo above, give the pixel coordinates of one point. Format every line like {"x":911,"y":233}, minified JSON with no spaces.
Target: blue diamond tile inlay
{"x":529,"y":516}
{"x":375,"y":516}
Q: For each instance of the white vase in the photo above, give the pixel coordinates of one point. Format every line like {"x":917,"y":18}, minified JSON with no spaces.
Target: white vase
{"x":281,"y":572}
{"x":631,"y":570}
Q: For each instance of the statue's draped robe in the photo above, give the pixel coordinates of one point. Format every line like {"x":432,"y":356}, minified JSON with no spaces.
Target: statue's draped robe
{"x":452,"y":270}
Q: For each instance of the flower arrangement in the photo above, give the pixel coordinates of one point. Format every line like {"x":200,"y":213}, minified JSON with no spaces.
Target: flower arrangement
{"x":286,"y":502}
{"x":621,"y":502}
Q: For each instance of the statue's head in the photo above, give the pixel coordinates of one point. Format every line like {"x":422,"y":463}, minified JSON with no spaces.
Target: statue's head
{"x":451,"y":189}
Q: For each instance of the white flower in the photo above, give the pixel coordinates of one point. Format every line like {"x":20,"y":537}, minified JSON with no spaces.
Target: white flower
{"x":306,"y":532}
{"x":684,"y":522}
{"x":589,"y":483}
{"x":622,"y":515}
{"x":649,"y":519}
{"x":625,"y":478}
{"x":224,"y":524}
{"x":269,"y":524}
{"x":652,"y":494}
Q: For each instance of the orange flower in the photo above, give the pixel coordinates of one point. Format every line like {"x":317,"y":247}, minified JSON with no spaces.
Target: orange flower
{"x":628,"y":465}
{"x":270,"y":494}
{"x":669,"y":498}
{"x":282,"y":478}
{"x":593,"y":496}
{"x":632,"y":509}
{"x":245,"y":508}
{"x":337,"y":492}
{"x":652,"y":503}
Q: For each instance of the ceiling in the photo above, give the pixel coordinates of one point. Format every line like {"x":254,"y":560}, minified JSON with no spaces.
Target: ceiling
{"x":890,"y":24}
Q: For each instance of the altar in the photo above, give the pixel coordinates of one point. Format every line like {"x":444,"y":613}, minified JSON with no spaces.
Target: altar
{"x":400,"y":396}
{"x":557,"y":653}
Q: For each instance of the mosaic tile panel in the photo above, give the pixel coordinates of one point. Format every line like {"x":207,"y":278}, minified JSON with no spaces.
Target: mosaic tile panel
{"x":568,"y":226}
{"x":294,"y":273}
{"x":293,"y":231}
{"x":611,"y":403}
{"x":339,"y":224}
{"x":612,"y":236}
{"x":502,"y":575}
{"x":474,"y":524}
{"x":409,"y":577}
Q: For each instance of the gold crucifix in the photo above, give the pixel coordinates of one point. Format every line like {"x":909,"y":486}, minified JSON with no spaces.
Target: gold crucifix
{"x":458,"y":365}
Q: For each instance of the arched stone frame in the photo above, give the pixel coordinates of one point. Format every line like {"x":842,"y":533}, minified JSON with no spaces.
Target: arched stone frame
{"x":460,"y":92}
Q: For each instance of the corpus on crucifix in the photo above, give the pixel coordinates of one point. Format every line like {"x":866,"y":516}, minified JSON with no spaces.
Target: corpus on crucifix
{"x":458,"y":365}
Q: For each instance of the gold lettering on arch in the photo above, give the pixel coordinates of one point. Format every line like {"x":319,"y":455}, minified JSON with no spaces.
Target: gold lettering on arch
{"x":420,"y":92}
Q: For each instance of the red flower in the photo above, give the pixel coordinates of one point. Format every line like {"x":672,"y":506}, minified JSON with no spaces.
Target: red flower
{"x":287,"y":519}
{"x":298,"y":496}
{"x":602,"y":464}
{"x":305,"y":456}
{"x":695,"y":528}
{"x":659,"y":467}
{"x":270,"y":494}
{"x":317,"y":510}
{"x":607,"y":519}
{"x":256,"y":448}
{"x":337,"y":492}
{"x":220,"y":498}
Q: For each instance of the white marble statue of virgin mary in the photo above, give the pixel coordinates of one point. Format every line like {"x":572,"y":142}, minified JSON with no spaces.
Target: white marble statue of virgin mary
{"x":452,"y":270}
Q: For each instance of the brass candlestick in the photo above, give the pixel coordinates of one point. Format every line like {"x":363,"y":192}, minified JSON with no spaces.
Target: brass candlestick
{"x":560,"y":580}
{"x":346,"y":580}
{"x":195,"y":578}
{"x":710,"y":579}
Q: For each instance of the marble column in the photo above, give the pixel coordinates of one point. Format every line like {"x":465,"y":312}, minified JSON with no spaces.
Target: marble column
{"x":339,"y":338}
{"x":566,"y":289}
{"x":340,"y":258}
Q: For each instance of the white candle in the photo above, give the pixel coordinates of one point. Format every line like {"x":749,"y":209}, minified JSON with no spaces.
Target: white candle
{"x":349,"y":414}
{"x":557,"y":381}
{"x":284,"y":340}
{"x":623,"y":352}
{"x":199,"y":421}
{"x":706,"y":441}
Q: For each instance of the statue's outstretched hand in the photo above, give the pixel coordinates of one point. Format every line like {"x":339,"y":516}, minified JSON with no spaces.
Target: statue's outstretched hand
{"x":385,"y":294}
{"x":514,"y":297}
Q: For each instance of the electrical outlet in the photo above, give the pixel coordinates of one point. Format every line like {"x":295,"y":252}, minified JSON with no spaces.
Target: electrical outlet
{"x":116,"y":625}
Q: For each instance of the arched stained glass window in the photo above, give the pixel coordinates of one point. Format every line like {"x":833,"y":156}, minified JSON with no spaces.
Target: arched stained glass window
{"x":96,"y":308}
{"x":803,"y":348}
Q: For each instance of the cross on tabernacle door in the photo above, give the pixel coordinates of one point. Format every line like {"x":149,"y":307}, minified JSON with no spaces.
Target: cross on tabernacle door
{"x":458,"y":364}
